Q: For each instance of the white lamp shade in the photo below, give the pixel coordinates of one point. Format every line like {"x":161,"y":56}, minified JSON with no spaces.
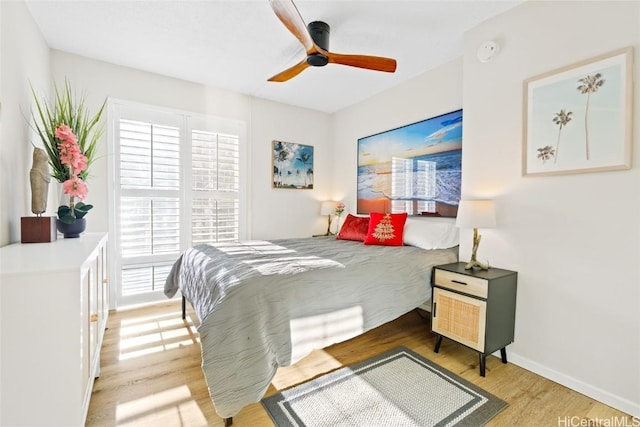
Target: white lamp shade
{"x":328,"y":208}
{"x":476,"y":214}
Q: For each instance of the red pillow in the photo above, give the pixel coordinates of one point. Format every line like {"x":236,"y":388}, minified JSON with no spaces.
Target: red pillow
{"x":354,"y":228}
{"x":385,"y":229}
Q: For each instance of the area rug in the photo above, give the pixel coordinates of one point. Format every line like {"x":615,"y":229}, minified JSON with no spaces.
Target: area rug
{"x":397,"y":388}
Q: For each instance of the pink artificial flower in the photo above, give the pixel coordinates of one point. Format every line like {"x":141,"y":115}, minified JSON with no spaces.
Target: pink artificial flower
{"x":69,"y":151}
{"x":80,"y":163}
{"x":70,"y":155}
{"x":75,"y":187}
{"x":65,"y":133}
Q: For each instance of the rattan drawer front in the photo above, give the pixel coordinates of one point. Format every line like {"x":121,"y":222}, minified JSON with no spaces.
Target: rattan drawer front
{"x":462,"y":283}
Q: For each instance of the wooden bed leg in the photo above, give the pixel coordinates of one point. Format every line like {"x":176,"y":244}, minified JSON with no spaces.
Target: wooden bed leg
{"x":228,"y":421}
{"x":184,"y":308}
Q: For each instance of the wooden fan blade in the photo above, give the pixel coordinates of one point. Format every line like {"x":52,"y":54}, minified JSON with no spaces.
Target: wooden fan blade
{"x":377,"y":63}
{"x":291,"y":72}
{"x":287,"y":12}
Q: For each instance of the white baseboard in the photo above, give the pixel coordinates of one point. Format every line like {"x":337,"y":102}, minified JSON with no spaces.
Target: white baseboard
{"x":617,"y":402}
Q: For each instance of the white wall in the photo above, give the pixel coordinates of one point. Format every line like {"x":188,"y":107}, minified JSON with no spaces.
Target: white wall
{"x":279,"y":213}
{"x":273,"y":212}
{"x":574,"y":239}
{"x":24,"y":60}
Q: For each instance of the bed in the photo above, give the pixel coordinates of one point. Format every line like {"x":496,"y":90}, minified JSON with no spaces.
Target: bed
{"x":266,"y":304}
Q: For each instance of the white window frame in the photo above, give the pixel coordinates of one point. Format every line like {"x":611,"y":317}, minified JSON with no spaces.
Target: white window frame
{"x":187,"y":121}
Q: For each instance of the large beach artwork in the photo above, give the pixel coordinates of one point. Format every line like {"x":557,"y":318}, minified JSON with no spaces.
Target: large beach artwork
{"x":414,"y":168}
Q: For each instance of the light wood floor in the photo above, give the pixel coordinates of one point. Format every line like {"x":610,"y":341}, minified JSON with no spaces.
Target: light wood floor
{"x":151,"y":375}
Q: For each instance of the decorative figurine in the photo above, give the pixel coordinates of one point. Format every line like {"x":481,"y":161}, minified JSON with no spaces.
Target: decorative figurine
{"x":40,"y":178}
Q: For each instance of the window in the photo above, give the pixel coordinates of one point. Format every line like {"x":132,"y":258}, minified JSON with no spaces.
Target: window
{"x":177,"y":182}
{"x":413,"y":186}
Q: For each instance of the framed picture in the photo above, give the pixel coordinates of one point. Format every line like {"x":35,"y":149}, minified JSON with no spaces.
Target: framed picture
{"x":415,"y":168}
{"x":578,"y":118}
{"x":292,"y":165}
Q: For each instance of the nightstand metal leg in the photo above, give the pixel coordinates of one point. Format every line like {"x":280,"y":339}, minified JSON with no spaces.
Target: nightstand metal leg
{"x":438,"y":342}
{"x":483,"y":359}
{"x":503,"y":354}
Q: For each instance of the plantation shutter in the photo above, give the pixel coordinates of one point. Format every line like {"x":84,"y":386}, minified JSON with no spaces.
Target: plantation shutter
{"x":177,"y":184}
{"x":216,"y":182}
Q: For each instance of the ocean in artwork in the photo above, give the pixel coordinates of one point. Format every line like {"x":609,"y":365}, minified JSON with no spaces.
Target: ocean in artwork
{"x":375,"y":183}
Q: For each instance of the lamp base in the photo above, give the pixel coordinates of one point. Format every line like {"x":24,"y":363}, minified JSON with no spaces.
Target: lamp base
{"x":474,"y":263}
{"x":328,"y":233}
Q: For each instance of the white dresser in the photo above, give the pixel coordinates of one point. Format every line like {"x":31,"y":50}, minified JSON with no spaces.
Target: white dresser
{"x":54,"y":304}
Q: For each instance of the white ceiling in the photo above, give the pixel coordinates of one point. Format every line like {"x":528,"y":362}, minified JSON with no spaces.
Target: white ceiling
{"x":238,"y":45}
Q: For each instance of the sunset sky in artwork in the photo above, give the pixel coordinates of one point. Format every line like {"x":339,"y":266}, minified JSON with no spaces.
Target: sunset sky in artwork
{"x":442,"y":133}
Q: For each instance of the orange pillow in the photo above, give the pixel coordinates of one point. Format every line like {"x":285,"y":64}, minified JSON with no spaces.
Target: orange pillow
{"x":354,"y":228}
{"x":385,"y":229}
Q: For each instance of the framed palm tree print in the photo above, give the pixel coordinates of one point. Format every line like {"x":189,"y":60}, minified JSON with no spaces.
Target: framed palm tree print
{"x":578,"y":118}
{"x":292,"y":165}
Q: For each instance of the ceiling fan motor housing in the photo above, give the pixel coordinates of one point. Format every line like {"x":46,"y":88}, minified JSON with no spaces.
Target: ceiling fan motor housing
{"x":319,"y":32}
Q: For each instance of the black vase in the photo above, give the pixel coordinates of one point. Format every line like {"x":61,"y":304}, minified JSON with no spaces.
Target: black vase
{"x":72,"y":230}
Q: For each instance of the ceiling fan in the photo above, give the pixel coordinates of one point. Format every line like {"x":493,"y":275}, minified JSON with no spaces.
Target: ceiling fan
{"x":315,"y":39}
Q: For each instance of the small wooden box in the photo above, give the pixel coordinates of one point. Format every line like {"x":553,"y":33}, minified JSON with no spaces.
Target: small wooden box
{"x":38,"y":229}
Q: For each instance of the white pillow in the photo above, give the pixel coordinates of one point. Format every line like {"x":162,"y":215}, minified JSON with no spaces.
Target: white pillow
{"x":431,"y":232}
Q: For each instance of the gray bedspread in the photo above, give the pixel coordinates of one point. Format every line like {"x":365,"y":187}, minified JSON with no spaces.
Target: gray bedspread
{"x":263,"y":304}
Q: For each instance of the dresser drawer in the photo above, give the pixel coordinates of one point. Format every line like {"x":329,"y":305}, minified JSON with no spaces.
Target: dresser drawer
{"x":461,"y":283}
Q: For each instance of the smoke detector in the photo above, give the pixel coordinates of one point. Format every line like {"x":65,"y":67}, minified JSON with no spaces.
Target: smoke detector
{"x":487,"y":51}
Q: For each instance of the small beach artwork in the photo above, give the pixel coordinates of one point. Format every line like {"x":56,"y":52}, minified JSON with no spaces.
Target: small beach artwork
{"x":414,"y":168}
{"x":292,"y":165}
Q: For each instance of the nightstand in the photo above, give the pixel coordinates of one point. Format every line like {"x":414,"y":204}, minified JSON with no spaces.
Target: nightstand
{"x":476,"y":308}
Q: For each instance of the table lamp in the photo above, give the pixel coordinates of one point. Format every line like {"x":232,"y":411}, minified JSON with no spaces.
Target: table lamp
{"x":329,"y":209}
{"x":476,"y":214}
